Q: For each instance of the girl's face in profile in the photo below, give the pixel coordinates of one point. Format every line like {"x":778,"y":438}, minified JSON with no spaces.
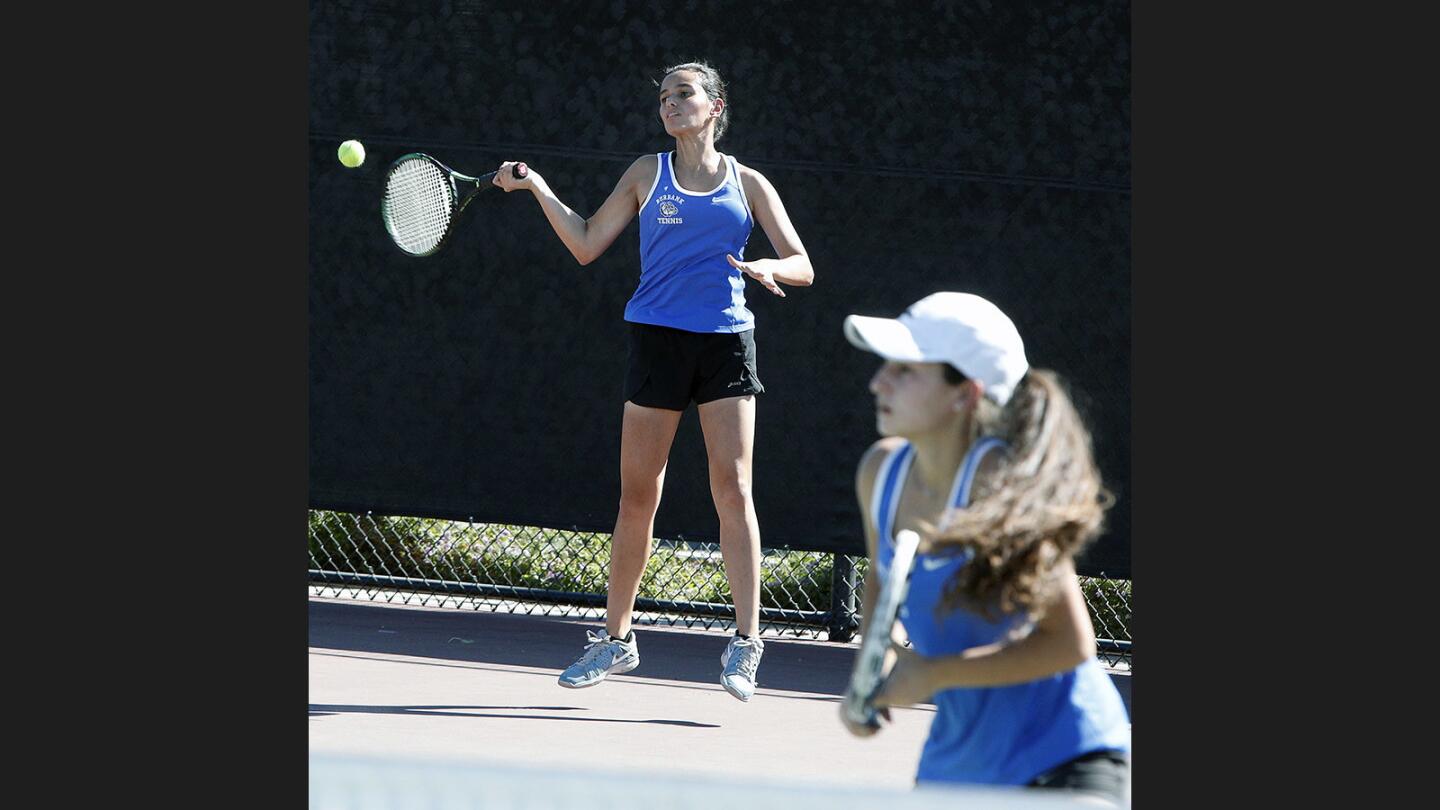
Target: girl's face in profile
{"x":684,"y":105}
{"x":913,"y":398}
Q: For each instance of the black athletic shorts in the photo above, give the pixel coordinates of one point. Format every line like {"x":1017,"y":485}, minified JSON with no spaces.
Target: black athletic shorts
{"x":670,"y":368}
{"x":1101,"y":773}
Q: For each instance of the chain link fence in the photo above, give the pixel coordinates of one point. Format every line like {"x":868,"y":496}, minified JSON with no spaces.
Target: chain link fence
{"x":556,"y":572}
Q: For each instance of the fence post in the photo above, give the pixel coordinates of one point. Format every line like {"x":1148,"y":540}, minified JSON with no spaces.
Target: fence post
{"x":843,"y":586}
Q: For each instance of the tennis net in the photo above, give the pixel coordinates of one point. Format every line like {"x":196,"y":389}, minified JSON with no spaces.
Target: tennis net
{"x":364,"y":783}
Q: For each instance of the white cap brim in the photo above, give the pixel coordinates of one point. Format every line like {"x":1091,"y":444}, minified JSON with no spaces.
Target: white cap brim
{"x":886,"y":337}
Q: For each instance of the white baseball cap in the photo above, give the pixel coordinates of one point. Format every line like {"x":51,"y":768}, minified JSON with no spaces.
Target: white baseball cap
{"x":961,"y":329}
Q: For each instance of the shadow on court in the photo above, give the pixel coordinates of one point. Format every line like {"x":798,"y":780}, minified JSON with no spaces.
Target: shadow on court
{"x":547,"y":642}
{"x":480,"y":712}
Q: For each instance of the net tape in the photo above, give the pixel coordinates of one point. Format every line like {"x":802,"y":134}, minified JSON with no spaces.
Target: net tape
{"x":348,"y":782}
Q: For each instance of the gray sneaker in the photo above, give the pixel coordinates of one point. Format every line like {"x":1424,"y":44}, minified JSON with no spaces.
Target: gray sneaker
{"x":603,"y":656}
{"x":739,"y":661}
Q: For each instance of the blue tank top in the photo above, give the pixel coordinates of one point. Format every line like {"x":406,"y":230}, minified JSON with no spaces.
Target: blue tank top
{"x":1005,"y":735}
{"x":685,"y":281}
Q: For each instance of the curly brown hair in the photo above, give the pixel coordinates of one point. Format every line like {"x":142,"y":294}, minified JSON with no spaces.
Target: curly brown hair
{"x":1046,"y":503}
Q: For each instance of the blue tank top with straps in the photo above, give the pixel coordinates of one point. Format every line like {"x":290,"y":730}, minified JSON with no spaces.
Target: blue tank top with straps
{"x":685,"y":281}
{"x":1004,"y":735}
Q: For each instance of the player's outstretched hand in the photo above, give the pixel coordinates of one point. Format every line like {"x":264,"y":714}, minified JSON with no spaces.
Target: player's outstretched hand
{"x":505,"y":177}
{"x":765,"y":277}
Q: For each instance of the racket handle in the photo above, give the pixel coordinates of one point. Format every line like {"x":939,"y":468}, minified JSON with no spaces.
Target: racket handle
{"x":517,"y":171}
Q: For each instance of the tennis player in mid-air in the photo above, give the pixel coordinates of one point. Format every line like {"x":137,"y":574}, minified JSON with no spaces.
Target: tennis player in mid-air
{"x":988,"y":457}
{"x":692,"y":339}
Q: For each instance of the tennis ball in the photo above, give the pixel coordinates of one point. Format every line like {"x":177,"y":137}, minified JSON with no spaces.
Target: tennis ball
{"x":352,"y":154}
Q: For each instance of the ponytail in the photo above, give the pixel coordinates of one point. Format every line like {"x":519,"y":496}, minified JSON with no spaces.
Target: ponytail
{"x":1045,"y":505}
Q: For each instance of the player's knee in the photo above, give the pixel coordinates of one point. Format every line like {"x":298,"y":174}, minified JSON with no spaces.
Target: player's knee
{"x":731,"y":494}
{"x":639,"y":500}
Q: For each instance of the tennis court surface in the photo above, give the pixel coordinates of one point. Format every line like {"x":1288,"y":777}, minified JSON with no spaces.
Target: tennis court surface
{"x":463,"y":708}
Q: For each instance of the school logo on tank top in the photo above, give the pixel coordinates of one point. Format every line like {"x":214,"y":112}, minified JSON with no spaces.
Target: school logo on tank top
{"x":669,"y":207}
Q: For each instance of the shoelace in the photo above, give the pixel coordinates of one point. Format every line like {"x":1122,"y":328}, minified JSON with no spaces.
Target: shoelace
{"x":599,"y":642}
{"x":747,"y":657}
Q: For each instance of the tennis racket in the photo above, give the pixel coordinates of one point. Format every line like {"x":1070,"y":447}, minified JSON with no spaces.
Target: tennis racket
{"x":422,"y":201}
{"x":868,"y":675}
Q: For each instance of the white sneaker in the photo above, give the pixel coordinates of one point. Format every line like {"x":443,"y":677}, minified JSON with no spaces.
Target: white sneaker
{"x":603,"y":656}
{"x":739,"y":661}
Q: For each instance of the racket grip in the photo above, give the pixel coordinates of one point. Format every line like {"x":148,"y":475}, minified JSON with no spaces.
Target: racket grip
{"x":519,"y":170}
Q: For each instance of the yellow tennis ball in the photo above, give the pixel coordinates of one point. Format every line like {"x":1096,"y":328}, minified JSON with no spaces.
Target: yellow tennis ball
{"x":352,"y":154}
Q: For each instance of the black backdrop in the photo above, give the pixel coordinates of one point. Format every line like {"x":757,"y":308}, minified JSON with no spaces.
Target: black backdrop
{"x":917,"y":146}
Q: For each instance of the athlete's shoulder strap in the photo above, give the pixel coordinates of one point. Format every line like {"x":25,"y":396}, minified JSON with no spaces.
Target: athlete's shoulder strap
{"x":654,"y":184}
{"x":886,"y":496}
{"x":740,"y":184}
{"x":965,"y":476}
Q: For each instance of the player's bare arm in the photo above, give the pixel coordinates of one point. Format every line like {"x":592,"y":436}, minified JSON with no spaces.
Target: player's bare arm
{"x":587,"y":239}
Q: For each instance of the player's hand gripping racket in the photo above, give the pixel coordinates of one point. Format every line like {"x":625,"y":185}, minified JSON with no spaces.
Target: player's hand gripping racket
{"x":422,"y":201}
{"x":868,"y":675}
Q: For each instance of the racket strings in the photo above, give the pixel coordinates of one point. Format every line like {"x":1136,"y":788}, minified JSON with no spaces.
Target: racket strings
{"x":419,"y":202}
